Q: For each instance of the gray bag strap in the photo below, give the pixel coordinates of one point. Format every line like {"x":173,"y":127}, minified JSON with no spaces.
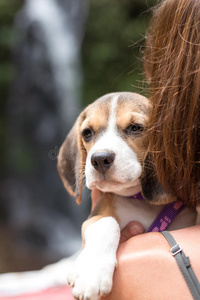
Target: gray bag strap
{"x":184,"y":265}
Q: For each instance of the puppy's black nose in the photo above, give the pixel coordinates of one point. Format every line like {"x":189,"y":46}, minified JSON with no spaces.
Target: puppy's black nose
{"x":102,"y":161}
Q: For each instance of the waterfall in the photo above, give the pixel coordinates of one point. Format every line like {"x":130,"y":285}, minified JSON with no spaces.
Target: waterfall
{"x":56,"y":26}
{"x":44,"y":102}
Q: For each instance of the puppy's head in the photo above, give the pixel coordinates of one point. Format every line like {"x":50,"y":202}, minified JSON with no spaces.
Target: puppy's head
{"x":108,"y":144}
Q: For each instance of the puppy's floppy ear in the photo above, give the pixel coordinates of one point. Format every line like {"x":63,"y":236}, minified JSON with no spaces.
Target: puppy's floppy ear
{"x":71,"y":160}
{"x":151,"y":188}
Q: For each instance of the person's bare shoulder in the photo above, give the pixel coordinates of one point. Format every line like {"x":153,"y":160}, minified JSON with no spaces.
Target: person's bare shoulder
{"x":147,"y":270}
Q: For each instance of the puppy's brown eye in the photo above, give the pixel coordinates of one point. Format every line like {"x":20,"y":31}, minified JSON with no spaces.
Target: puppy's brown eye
{"x":87,"y":134}
{"x":134,"y":129}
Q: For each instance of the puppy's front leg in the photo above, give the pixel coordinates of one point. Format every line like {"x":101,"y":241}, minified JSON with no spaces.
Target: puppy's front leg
{"x":93,"y":272}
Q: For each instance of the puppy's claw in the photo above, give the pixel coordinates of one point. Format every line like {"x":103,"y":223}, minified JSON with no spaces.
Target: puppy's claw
{"x":72,"y":284}
{"x":78,"y":297}
{"x":104,"y":293}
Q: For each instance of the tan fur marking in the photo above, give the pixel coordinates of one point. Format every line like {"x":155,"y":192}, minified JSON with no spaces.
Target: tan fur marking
{"x":129,"y":117}
{"x":96,"y":120}
{"x":133,"y":108}
{"x":136,"y":102}
{"x":97,"y":114}
{"x":104,"y":208}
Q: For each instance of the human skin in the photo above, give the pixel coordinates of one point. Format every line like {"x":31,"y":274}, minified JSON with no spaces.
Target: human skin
{"x":146,"y":269}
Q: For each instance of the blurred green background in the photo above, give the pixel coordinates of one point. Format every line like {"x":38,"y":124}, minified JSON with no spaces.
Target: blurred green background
{"x":112,"y":48}
{"x":8,"y":38}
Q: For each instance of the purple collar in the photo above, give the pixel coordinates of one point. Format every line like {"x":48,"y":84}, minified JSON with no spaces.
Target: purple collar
{"x":166,"y":215}
{"x":137,"y":196}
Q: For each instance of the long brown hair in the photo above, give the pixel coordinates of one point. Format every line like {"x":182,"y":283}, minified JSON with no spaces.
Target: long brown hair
{"x":172,"y":66}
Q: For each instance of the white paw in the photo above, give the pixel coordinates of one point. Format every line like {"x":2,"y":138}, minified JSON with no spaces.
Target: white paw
{"x":92,"y":275}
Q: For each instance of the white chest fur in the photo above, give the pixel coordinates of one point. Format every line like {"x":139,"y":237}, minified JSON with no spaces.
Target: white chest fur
{"x":128,"y":209}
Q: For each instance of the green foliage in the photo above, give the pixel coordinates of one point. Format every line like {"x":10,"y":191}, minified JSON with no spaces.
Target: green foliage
{"x":111,"y":50}
{"x":7,"y":39}
{"x":8,"y":9}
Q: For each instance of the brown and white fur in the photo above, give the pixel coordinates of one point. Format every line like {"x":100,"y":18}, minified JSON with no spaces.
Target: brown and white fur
{"x":108,"y":145}
{"x":111,"y":160}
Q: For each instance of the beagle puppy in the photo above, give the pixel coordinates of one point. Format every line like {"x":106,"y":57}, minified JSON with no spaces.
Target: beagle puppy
{"x":107,"y":147}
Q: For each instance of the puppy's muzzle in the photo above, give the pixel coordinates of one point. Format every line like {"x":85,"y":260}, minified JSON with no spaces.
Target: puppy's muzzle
{"x":102,"y":161}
